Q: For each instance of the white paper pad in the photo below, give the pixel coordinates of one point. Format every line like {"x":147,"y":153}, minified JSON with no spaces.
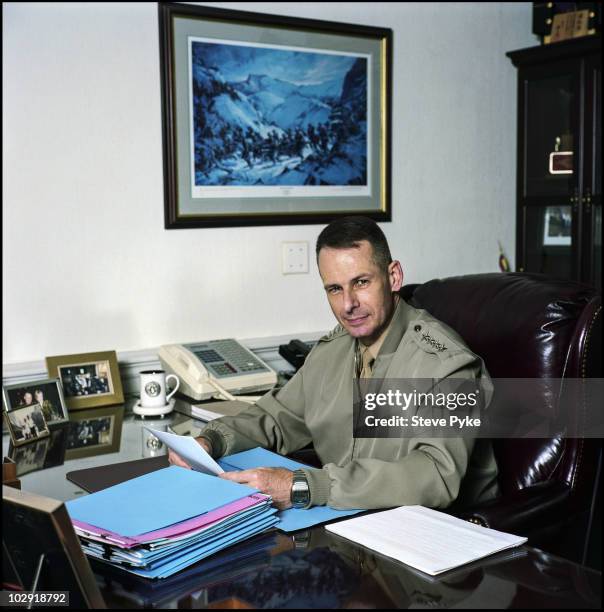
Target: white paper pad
{"x":208,"y":411}
{"x":189,"y":450}
{"x":206,"y":415}
{"x":426,"y":539}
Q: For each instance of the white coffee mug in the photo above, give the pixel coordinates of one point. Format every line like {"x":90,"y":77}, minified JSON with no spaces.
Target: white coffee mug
{"x":153,"y":388}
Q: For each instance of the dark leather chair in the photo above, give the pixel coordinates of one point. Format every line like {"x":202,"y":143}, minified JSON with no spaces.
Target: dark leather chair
{"x":530,"y":326}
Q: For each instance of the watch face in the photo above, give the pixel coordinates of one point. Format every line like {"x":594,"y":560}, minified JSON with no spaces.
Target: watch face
{"x":300,"y":495}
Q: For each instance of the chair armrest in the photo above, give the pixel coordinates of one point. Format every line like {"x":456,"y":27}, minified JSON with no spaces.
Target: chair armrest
{"x":534,"y":506}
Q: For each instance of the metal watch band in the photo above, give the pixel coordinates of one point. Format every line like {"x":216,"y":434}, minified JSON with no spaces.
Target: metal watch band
{"x":300,"y":493}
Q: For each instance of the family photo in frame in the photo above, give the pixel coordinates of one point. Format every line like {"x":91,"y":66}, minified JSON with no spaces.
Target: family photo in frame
{"x":32,"y":407}
{"x":27,"y":424}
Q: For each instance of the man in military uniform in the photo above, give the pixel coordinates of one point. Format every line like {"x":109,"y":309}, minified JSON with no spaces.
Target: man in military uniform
{"x":379,"y":335}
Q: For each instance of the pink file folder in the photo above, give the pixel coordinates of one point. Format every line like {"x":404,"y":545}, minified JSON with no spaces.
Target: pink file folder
{"x":177,"y":529}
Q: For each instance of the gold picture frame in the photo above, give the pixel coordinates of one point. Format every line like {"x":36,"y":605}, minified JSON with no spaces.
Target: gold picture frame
{"x":89,"y":379}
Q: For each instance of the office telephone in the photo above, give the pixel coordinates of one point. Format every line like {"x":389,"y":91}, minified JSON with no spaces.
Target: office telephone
{"x":216,"y":368}
{"x":295,"y":352}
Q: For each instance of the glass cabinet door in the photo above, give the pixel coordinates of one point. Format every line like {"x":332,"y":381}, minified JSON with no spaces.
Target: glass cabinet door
{"x":591,"y":201}
{"x":595,"y":272}
{"x":551,"y":133}
{"x":559,"y":192}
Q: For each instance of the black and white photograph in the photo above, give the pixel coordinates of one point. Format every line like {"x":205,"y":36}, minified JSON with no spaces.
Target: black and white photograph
{"x":48,"y":393}
{"x":27,"y":424}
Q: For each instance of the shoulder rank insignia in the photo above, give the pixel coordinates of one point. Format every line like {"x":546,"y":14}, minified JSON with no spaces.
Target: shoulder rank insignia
{"x":439,"y":346}
{"x":334,"y":333}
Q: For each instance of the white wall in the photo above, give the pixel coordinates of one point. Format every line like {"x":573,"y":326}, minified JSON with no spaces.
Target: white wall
{"x":88,"y":265}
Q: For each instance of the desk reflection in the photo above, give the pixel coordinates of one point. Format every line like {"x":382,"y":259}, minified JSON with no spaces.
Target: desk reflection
{"x":318,"y":569}
{"x":272,"y":571}
{"x":42,"y":454}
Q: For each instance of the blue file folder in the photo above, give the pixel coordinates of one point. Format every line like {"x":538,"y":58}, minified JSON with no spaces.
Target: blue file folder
{"x":292,"y":519}
{"x":155,"y":500}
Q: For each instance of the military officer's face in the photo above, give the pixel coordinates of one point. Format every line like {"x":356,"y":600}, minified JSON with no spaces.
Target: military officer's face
{"x":361,"y":295}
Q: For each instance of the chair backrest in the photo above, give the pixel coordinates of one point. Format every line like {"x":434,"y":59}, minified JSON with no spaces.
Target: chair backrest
{"x":527,"y":326}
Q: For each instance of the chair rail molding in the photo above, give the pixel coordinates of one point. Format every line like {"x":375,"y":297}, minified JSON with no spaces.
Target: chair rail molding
{"x":132,"y":362}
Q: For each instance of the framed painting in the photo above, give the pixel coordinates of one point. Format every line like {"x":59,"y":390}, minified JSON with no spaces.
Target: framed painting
{"x":271,"y":120}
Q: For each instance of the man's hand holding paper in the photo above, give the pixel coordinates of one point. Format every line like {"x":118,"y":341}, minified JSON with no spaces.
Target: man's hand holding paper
{"x":276,"y":482}
{"x":175,"y":459}
{"x":187,"y":452}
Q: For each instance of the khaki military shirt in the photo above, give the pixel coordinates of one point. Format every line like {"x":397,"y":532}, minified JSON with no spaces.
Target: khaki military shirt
{"x":316,"y":406}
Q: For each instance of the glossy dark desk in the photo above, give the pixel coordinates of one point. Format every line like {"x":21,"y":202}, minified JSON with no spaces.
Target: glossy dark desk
{"x":312,"y":569}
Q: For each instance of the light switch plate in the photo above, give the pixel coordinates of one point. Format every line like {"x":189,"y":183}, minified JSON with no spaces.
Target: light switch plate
{"x":295,"y":257}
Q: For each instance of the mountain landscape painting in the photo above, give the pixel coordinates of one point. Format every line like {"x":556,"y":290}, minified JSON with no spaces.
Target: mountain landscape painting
{"x":273,"y":116}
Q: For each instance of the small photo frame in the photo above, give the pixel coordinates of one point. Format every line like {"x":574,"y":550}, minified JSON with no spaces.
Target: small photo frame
{"x":557,"y":226}
{"x":89,"y":379}
{"x":46,"y":392}
{"x":26,"y":423}
{"x":94,"y":432}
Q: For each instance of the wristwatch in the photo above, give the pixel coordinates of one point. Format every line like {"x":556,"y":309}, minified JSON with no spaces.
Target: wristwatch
{"x":300,"y":495}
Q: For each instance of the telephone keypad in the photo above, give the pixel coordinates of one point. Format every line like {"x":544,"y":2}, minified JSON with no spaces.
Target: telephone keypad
{"x":227,"y":358}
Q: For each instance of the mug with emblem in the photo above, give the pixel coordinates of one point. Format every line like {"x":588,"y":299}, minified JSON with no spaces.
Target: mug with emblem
{"x":153,"y":388}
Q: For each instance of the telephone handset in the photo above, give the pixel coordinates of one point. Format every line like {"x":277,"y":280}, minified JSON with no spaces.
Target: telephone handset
{"x":217,"y":368}
{"x":295,"y":352}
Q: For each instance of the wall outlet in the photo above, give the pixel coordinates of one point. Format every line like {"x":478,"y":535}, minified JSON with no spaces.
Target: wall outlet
{"x":295,"y":257}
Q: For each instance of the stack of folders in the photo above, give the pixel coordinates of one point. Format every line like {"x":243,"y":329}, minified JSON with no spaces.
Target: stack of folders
{"x":229,"y":565}
{"x":160,"y":523}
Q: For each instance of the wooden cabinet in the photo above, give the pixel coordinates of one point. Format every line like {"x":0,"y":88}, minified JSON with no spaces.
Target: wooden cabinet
{"x":559,"y":184}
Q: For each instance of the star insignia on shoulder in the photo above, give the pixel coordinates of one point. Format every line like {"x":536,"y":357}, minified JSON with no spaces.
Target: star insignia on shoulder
{"x":439,"y":346}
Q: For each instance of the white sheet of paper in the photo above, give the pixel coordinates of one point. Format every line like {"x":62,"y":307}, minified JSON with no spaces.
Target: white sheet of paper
{"x":426,"y":539}
{"x":188,"y":449}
